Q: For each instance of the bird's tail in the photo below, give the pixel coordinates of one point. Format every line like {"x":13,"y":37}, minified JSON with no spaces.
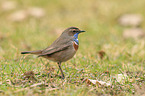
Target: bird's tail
{"x":32,"y":52}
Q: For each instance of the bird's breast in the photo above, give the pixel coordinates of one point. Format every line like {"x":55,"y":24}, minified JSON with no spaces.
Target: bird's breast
{"x":75,"y":45}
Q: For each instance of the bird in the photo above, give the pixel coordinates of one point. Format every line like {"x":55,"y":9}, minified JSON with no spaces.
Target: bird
{"x":62,"y":49}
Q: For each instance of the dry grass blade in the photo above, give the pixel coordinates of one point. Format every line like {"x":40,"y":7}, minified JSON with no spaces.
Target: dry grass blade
{"x":95,"y":82}
{"x":39,"y":84}
{"x":29,"y":75}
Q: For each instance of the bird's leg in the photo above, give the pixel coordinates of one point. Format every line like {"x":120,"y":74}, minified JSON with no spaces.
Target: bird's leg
{"x":59,"y":65}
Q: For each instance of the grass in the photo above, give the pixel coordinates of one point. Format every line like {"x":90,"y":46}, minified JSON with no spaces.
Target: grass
{"x":99,"y":19}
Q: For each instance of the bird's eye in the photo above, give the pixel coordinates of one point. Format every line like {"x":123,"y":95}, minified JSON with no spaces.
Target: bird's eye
{"x":74,"y":31}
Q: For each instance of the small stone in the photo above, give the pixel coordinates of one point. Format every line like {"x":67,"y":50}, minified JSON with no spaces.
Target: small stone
{"x":18,"y":16}
{"x":133,"y":20}
{"x":36,"y":12}
{"x":134,"y":33}
{"x":8,"y":5}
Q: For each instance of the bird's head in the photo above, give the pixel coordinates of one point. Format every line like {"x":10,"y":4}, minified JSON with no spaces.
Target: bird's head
{"x":71,"y":31}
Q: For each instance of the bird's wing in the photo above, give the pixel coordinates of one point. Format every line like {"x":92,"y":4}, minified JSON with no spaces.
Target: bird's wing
{"x":58,"y":45}
{"x":52,"y":50}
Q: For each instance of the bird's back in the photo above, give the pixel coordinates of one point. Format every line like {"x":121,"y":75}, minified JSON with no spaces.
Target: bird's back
{"x":60,"y":50}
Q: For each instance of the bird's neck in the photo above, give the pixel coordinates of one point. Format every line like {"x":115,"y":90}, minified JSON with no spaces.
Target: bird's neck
{"x":76,"y":38}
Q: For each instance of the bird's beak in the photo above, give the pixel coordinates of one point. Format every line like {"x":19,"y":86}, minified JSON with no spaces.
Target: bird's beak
{"x":82,"y":31}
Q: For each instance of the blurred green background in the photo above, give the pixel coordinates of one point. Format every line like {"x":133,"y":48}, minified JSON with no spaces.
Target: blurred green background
{"x":97,"y":17}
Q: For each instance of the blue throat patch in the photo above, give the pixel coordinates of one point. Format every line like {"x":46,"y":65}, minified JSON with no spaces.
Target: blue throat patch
{"x":76,"y":38}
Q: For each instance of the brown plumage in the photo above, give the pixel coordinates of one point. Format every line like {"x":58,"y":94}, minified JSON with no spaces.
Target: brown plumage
{"x":62,"y":49}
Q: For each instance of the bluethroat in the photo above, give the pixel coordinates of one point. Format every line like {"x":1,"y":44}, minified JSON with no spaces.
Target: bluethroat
{"x":62,"y":49}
